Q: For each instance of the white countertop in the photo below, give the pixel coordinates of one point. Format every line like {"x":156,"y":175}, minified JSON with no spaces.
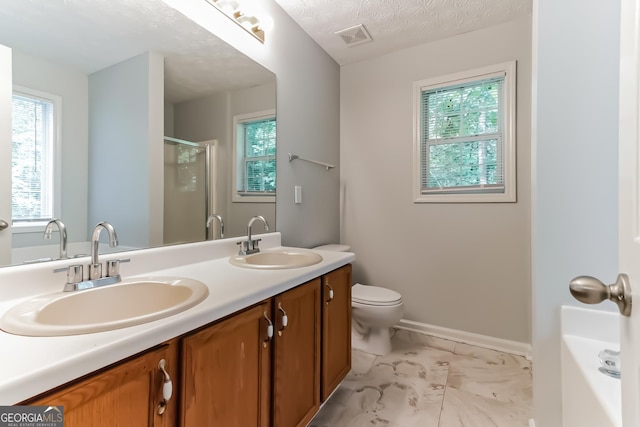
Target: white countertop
{"x":32,"y":365}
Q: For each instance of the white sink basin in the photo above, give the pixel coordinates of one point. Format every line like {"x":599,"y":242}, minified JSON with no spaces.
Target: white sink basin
{"x":128,"y":303}
{"x":277,"y":259}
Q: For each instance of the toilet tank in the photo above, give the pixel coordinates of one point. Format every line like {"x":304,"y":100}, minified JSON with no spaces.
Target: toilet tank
{"x":334,"y":248}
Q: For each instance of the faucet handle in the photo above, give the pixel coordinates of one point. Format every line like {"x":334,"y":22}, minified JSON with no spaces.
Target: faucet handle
{"x":254,"y":244}
{"x":74,"y":276}
{"x":113,"y":266}
{"x":95,"y":271}
{"x":74,"y":273}
{"x":244,"y":247}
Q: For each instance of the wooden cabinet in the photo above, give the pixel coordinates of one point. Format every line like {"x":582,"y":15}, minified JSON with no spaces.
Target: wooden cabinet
{"x":336,"y":329}
{"x":127,"y":394}
{"x":226,"y":375}
{"x":229,"y":368}
{"x":296,"y":383}
{"x":234,"y":372}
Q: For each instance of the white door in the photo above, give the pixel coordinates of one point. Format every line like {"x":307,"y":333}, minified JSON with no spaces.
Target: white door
{"x":629,"y":211}
{"x":5,"y":155}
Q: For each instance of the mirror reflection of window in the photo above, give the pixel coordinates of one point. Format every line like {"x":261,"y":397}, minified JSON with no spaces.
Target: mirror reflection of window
{"x":259,"y":156}
{"x":255,"y":154}
{"x":34,"y":147}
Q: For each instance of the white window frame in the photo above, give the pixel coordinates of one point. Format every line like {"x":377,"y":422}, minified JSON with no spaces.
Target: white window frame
{"x":237,"y":172}
{"x":21,"y":227}
{"x":476,"y":194}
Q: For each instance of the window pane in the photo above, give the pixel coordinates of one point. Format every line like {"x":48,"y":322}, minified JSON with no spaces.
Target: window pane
{"x":462,"y":110}
{"x":260,"y":138}
{"x":261,"y":175}
{"x":259,"y":156}
{"x":464,"y":138}
{"x":463,"y":164}
{"x":453,"y":120}
{"x":32,"y":158}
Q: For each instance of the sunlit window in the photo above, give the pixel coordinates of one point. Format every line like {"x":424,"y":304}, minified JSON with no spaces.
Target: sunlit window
{"x":465,"y":145}
{"x":255,"y":153}
{"x":34,"y":140}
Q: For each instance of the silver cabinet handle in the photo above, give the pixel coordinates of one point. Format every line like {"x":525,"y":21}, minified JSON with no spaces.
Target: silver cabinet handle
{"x":167,"y":388}
{"x":269,"y":330}
{"x":284,"y":319}
{"x":590,"y":290}
{"x":3,"y":224}
{"x":330,"y":293}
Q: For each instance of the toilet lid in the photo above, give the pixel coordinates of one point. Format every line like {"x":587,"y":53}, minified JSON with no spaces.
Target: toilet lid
{"x":374,"y":295}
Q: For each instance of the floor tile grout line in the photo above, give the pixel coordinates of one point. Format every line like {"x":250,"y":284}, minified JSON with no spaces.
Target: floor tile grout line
{"x":444,"y":393}
{"x":446,"y":384}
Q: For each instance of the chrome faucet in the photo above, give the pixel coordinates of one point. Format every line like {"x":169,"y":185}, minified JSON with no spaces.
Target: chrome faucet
{"x":95,"y":269}
{"x":48,"y":230}
{"x":75,"y":276}
{"x":210,"y":220}
{"x":250,"y":246}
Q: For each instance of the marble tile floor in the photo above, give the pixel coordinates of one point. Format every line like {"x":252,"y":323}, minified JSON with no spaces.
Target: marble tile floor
{"x":431,"y":382}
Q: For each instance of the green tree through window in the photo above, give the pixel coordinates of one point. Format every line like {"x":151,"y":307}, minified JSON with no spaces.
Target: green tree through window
{"x":259,"y":158}
{"x":464,"y":136}
{"x":462,"y":131}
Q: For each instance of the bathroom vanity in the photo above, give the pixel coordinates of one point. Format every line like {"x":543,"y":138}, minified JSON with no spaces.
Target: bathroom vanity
{"x":265,"y":348}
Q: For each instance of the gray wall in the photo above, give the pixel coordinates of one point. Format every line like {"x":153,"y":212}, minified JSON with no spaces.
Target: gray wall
{"x":574,"y":171}
{"x":308,"y":107}
{"x":126,"y":130}
{"x":73,"y":87}
{"x":464,"y":266}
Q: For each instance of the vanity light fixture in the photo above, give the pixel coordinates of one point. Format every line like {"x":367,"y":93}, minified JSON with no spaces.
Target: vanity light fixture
{"x":250,"y":23}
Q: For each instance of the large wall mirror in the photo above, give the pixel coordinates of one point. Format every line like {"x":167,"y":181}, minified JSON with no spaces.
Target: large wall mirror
{"x":158,"y":124}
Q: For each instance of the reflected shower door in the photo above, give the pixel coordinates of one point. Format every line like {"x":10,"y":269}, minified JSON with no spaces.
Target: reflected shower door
{"x":187,"y":190}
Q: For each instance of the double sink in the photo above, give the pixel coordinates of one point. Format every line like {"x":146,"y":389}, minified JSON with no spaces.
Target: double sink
{"x":130,"y":302}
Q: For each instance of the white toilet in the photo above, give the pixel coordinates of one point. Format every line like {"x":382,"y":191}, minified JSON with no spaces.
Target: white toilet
{"x":374,"y":311}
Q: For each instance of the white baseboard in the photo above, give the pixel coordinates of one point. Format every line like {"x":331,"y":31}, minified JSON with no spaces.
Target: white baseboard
{"x":512,"y":347}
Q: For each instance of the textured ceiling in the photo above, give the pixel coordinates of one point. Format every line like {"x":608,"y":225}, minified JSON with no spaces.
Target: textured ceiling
{"x":89,"y":35}
{"x":396,"y":24}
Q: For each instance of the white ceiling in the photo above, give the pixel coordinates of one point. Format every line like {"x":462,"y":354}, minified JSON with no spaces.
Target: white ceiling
{"x":396,"y":24}
{"x":89,"y":35}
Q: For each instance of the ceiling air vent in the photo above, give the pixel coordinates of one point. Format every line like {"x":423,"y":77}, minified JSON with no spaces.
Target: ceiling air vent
{"x":354,"y":35}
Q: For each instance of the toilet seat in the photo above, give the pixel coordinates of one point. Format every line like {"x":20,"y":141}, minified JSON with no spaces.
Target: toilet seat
{"x":374,"y":295}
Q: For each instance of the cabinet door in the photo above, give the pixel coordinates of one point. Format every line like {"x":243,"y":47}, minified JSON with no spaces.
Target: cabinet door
{"x":297,"y":355}
{"x":227,"y":372}
{"x":336,"y":328}
{"x":128,"y":394}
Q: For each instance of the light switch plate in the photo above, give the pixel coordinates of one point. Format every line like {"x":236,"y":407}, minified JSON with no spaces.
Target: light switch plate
{"x":297,"y":194}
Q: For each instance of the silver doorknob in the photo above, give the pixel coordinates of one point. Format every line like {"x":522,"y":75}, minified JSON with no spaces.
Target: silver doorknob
{"x":3,"y":225}
{"x":590,"y":290}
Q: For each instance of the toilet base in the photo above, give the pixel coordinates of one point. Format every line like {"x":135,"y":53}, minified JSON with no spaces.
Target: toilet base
{"x":376,"y":341}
